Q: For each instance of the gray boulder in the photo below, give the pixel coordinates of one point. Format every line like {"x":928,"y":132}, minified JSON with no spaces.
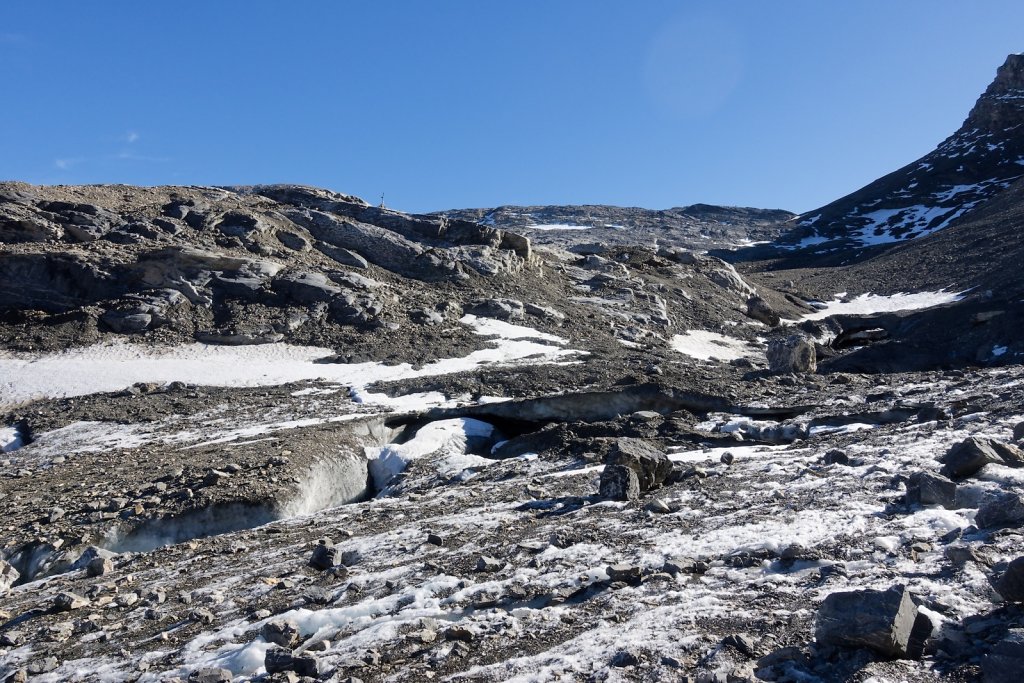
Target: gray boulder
{"x":8,"y":576}
{"x":652,"y":467}
{"x":619,"y":482}
{"x":925,"y":488}
{"x":284,"y":633}
{"x":210,"y":675}
{"x":1004,"y":510}
{"x":1011,"y":584}
{"x":878,"y":620}
{"x":792,"y":354}
{"x":973,"y":453}
{"x":502,"y":309}
{"x":762,"y":311}
{"x":1006,"y":660}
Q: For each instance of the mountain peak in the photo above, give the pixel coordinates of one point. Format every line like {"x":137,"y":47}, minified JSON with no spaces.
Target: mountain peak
{"x":1002,"y":103}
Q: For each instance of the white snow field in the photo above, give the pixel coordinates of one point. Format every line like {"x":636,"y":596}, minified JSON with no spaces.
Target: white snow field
{"x":110,"y":367}
{"x":704,"y":345}
{"x":866,"y":304}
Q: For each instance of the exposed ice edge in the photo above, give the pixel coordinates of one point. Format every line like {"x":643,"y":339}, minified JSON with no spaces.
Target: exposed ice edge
{"x":115,"y":366}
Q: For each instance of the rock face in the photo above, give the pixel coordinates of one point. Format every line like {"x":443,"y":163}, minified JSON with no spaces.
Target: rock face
{"x":879,"y":620}
{"x":968,"y":168}
{"x":793,"y":354}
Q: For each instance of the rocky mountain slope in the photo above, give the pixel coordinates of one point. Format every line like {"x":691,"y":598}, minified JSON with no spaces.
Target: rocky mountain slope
{"x":274,"y":433}
{"x":700,"y":226}
{"x":967,"y":169}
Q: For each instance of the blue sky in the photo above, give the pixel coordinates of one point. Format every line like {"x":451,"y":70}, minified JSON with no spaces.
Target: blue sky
{"x":450,"y":104}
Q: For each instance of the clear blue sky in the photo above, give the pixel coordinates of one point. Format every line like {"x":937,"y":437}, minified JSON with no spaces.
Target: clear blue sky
{"x":470,"y":103}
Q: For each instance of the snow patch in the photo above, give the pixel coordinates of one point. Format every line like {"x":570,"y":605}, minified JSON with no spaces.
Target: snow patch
{"x":704,"y":345}
{"x":866,"y":304}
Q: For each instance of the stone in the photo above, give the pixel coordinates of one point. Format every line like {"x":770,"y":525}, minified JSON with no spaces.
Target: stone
{"x":284,"y":633}
{"x":1005,"y":510}
{"x":836,"y":457}
{"x":652,"y":467}
{"x":658,"y":506}
{"x":1010,"y":585}
{"x":8,"y":576}
{"x":973,"y":453}
{"x":99,"y":566}
{"x":1018,"y":431}
{"x":210,"y":675}
{"x":727,"y":458}
{"x":879,"y":620}
{"x":325,"y":555}
{"x":1004,"y":663}
{"x":68,"y":601}
{"x":761,"y":310}
{"x":925,"y":488}
{"x":458,"y":633}
{"x":793,"y":354}
{"x":279,"y":660}
{"x":434,"y":539}
{"x":679,"y":565}
{"x":627,"y":573}
{"x":619,"y":482}
{"x":742,"y":643}
{"x":502,"y":309}
{"x":292,"y":240}
{"x":489,"y":564}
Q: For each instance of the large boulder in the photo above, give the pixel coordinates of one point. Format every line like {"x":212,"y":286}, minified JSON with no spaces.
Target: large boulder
{"x":925,"y":488}
{"x":502,"y":309}
{"x":1006,"y":509}
{"x":792,"y":354}
{"x":651,"y":467}
{"x":1005,"y":662}
{"x":881,"y":621}
{"x":762,"y":311}
{"x":1011,"y":584}
{"x":973,"y":453}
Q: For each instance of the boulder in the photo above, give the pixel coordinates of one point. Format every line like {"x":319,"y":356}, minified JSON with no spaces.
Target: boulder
{"x":502,"y":309}
{"x":284,"y":633}
{"x":211,"y":675}
{"x":8,"y":576}
{"x":619,"y":482}
{"x":1011,"y":584}
{"x":973,"y":453}
{"x":1004,"y":510}
{"x":792,"y":354}
{"x":762,"y":311}
{"x":879,"y":620}
{"x":325,"y":555}
{"x":925,"y":488}
{"x":306,"y":287}
{"x":1004,"y":663}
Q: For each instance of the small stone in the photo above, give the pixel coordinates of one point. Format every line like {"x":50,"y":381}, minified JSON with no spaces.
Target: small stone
{"x":56,"y":514}
{"x":743,"y":644}
{"x":459,"y":633}
{"x":1018,"y":431}
{"x":434,"y":539}
{"x":836,"y":457}
{"x":42,"y":666}
{"x":210,"y":675}
{"x":679,"y":565}
{"x":489,"y":564}
{"x":350,"y":558}
{"x":658,"y":506}
{"x":203,"y":616}
{"x":127,"y":599}
{"x":728,"y":458}
{"x":625,"y":658}
{"x":325,"y":555}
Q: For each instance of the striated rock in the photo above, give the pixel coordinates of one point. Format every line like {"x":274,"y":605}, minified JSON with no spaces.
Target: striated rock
{"x":879,"y":620}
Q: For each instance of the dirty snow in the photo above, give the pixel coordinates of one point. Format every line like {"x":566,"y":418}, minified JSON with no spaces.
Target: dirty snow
{"x":115,"y":366}
{"x":866,"y":304}
{"x":704,"y":345}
